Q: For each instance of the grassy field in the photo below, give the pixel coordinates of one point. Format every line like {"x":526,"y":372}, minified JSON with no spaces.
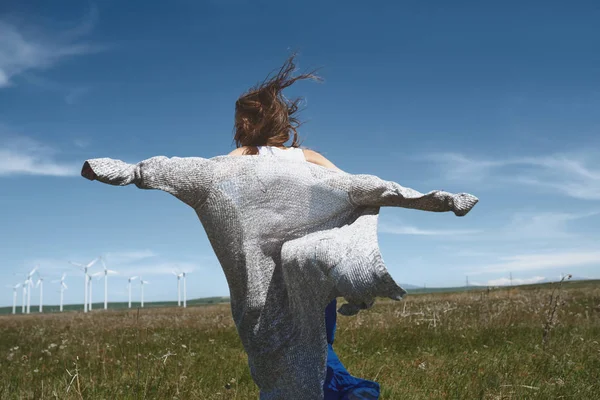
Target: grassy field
{"x":467,"y":345}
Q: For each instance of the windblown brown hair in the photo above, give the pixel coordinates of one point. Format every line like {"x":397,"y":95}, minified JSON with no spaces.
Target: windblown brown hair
{"x":263,"y":116}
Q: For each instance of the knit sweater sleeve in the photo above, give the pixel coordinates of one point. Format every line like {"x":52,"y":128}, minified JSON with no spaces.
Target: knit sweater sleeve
{"x":185,"y":178}
{"x":369,"y":190}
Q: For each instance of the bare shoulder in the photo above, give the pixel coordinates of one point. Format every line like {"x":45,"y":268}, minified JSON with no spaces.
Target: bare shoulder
{"x":317,"y":158}
{"x":244,"y":151}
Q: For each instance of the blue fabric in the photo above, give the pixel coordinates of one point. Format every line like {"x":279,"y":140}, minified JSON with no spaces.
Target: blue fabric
{"x":339,"y":384}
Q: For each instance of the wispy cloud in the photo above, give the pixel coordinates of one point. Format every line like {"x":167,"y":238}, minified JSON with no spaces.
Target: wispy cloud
{"x":401,"y":229}
{"x":128,"y":257}
{"x":529,"y":262}
{"x":541,"y":225}
{"x":159,"y":269}
{"x":24,"y":156}
{"x":74,"y":95}
{"x":515,"y":281}
{"x":27,"y":48}
{"x":575,"y":175}
{"x":126,"y":263}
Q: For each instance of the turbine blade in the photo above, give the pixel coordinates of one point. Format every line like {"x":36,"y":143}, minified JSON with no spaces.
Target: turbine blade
{"x":93,"y":262}
{"x":76,"y":264}
{"x":65,"y":285}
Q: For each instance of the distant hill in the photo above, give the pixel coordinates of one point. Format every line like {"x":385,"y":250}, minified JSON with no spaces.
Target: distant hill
{"x":408,"y":286}
{"x":411,"y":289}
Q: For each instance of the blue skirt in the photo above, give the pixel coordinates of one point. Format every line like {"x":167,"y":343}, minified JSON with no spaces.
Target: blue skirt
{"x":339,"y":384}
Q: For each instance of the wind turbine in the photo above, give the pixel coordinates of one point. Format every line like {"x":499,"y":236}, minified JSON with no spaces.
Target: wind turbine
{"x":184,"y":274}
{"x":23,"y":302}
{"x":178,"y":275}
{"x":14,"y":288}
{"x":90,"y":281}
{"x":29,"y":284}
{"x":40,"y":283}
{"x":63,"y":286}
{"x":106,"y":273}
{"x":142,"y":283}
{"x":85,"y":268}
{"x":129,"y":287}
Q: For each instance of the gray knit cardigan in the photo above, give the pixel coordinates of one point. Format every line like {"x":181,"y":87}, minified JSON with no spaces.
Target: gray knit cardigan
{"x":290,"y":236}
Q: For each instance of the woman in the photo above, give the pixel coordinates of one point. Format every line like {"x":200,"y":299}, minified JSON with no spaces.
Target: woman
{"x":264,"y":120}
{"x":287,"y":252}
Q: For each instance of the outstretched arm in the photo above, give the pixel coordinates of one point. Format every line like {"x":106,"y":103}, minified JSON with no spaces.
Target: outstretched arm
{"x":369,"y":190}
{"x":185,"y":178}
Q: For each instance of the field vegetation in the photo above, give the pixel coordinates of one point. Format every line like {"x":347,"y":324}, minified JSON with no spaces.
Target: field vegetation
{"x":537,"y":342}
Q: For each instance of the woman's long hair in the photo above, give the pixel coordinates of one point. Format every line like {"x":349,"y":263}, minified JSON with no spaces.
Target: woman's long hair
{"x":263,"y":116}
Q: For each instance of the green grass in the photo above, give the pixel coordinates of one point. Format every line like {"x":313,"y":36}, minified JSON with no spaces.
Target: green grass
{"x":465,"y":345}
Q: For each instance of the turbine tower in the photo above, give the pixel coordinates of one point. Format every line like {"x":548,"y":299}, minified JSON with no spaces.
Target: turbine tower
{"x":142,"y":283}
{"x":85,"y":268}
{"x":178,"y":275}
{"x":24,"y":300}
{"x":40,"y":284}
{"x":90,"y":282}
{"x":29,"y":284}
{"x":15,"y":288}
{"x":63,"y":286}
{"x":184,"y":274}
{"x":106,"y":273}
{"x":129,"y":287}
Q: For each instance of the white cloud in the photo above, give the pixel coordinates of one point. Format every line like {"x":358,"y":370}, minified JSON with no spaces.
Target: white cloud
{"x":412,"y":230}
{"x":128,"y":257}
{"x":542,"y":225}
{"x":528,"y":262}
{"x":164,"y":269}
{"x":75,"y":94}
{"x":515,"y":281}
{"x":26,"y":48}
{"x":126,"y":263}
{"x":81,"y":143}
{"x":575,"y":175}
{"x":24,"y":156}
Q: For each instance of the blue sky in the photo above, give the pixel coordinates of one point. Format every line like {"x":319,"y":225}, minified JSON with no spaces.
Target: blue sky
{"x":496,"y":100}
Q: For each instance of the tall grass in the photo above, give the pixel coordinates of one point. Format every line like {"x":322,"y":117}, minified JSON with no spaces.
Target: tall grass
{"x":469,"y":345}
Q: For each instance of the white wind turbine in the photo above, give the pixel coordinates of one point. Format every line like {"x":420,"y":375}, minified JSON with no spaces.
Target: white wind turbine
{"x":106,"y":273}
{"x":40,"y":283}
{"x":85,"y":268}
{"x":142,"y":283}
{"x":63,"y":286}
{"x":184,"y":274}
{"x":97,"y":275}
{"x":178,"y":275}
{"x":29,"y":284}
{"x":15,"y":288}
{"x":129,"y":287}
{"x":24,"y":301}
